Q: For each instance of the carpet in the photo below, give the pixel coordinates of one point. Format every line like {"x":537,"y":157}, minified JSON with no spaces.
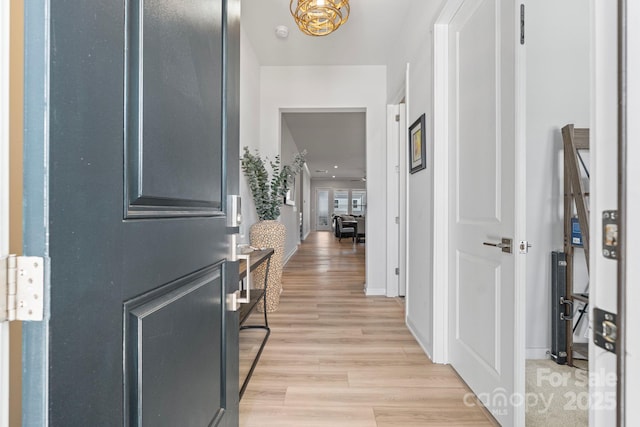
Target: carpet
{"x":557,"y":395}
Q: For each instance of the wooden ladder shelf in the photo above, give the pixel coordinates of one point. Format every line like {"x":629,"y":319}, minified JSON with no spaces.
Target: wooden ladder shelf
{"x":575,"y":194}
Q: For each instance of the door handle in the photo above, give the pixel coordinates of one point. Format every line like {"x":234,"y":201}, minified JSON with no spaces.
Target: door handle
{"x":234,"y":220}
{"x":505,"y":245}
{"x":247,"y":297}
{"x":234,"y":299}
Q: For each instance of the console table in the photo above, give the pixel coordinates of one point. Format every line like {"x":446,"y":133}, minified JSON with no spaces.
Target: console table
{"x":256,"y":258}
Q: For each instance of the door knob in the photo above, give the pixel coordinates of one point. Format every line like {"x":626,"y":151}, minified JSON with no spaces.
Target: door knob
{"x":505,"y":245}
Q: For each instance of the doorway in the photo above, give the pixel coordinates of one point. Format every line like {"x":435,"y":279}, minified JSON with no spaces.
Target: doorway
{"x":323,"y":218}
{"x":333,"y":202}
{"x":555,"y":96}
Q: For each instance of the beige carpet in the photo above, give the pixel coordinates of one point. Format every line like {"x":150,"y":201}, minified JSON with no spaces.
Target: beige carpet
{"x":557,"y":395}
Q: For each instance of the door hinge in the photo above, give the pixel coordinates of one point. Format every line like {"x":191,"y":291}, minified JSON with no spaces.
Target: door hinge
{"x":397,"y":271}
{"x":522,"y":24}
{"x":21,"y":288}
{"x":524,"y":246}
{"x":397,"y":117}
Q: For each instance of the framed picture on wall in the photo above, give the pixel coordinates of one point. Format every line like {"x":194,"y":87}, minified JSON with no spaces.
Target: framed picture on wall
{"x":289,"y":198}
{"x":417,"y":145}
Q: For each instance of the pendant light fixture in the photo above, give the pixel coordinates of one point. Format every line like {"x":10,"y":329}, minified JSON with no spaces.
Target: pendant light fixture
{"x":319,"y":17}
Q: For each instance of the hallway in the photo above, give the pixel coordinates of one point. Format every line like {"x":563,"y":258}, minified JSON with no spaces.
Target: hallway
{"x":337,"y":358}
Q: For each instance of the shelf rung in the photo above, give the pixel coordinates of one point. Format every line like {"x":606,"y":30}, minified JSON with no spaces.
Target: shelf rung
{"x":581,"y":297}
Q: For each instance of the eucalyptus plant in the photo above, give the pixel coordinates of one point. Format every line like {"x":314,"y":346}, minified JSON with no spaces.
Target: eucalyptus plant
{"x":269,"y":192}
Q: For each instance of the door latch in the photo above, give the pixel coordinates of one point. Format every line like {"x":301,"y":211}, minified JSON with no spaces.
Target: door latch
{"x":605,"y":329}
{"x":524,"y":247}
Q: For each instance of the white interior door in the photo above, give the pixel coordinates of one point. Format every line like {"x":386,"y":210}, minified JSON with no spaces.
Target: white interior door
{"x":482,"y":279}
{"x":323,"y":217}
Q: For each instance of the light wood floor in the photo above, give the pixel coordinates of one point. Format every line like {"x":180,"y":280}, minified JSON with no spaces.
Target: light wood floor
{"x":338,"y":358}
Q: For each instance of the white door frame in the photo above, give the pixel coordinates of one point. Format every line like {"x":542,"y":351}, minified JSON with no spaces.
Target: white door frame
{"x":4,"y":199}
{"x":632,"y":393}
{"x":403,"y":231}
{"x":441,"y":201}
{"x":393,"y":227}
{"x":604,"y":163}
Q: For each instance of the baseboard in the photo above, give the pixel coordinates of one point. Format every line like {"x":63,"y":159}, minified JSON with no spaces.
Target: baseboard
{"x":422,"y":341}
{"x":306,"y":235}
{"x":292,"y":253}
{"x":537,"y":353}
{"x":375,"y":292}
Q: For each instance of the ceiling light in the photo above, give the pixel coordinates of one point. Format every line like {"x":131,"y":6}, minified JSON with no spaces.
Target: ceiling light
{"x":333,"y":176}
{"x":319,"y":17}
{"x":335,"y":166}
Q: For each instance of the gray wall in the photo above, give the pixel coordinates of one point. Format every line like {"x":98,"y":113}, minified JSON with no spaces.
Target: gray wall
{"x":249,"y":125}
{"x":289,"y":215}
{"x":557,"y":94}
{"x":420,"y":196}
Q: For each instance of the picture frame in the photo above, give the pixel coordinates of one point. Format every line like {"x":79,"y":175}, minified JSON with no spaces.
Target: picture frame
{"x":289,"y":197}
{"x":417,"y":145}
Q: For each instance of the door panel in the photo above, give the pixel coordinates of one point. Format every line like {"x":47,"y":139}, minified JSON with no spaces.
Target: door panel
{"x":165,"y":169}
{"x":140,"y":131}
{"x":478,"y":139}
{"x":478,"y":300}
{"x":482,"y":125}
{"x":163,"y":372}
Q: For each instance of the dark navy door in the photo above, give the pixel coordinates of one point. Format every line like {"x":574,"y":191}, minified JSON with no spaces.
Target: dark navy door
{"x":131,"y":149}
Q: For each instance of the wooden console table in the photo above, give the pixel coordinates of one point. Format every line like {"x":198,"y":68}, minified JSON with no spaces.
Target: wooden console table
{"x":256,"y":258}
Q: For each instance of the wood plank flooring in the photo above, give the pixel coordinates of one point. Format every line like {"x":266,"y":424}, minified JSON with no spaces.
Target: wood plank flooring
{"x":338,"y":358}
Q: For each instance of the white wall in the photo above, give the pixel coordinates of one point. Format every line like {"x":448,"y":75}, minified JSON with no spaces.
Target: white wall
{"x":249,"y":124}
{"x":342,"y":87}
{"x":288,"y":213}
{"x":414,"y":40}
{"x":558,"y":93}
{"x":421,"y":203}
{"x":417,"y":38}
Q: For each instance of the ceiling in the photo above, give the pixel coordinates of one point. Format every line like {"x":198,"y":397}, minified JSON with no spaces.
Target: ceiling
{"x":366,"y":39}
{"x":331,"y":139}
